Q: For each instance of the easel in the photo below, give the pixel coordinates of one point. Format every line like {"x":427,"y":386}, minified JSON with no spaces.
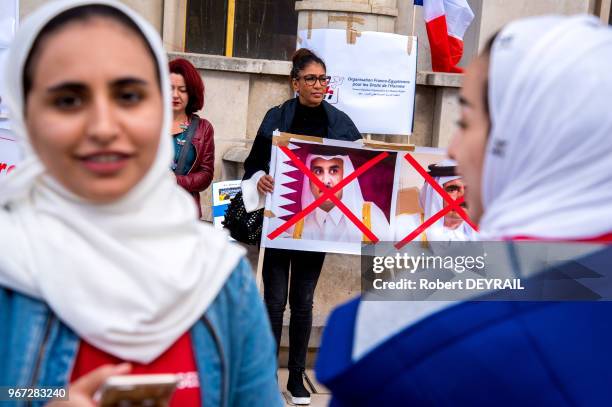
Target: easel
{"x":411,"y":37}
{"x":368,"y":142}
{"x":258,"y":272}
{"x":413,"y":19}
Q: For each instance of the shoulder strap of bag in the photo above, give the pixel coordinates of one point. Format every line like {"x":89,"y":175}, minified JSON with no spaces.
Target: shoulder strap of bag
{"x":184,"y":151}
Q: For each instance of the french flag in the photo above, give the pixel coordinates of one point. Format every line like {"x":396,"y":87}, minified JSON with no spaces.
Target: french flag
{"x":446,"y":22}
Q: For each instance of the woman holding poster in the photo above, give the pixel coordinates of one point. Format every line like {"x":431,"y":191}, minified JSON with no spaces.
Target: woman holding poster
{"x":306,"y":114}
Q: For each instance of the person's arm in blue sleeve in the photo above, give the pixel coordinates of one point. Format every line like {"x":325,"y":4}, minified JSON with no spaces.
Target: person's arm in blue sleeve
{"x":256,"y":383}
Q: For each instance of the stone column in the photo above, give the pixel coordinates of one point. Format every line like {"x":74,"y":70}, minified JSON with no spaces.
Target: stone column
{"x":174,"y":25}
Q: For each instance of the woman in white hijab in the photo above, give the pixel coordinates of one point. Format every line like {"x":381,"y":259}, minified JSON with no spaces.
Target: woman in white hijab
{"x":102,"y":258}
{"x":536,"y":163}
{"x":534,"y":149}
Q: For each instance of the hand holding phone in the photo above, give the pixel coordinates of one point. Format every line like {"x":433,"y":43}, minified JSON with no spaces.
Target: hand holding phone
{"x":81,"y":392}
{"x":150,"y":390}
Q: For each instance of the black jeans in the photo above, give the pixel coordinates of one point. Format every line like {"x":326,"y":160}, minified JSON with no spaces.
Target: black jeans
{"x":305,"y":271}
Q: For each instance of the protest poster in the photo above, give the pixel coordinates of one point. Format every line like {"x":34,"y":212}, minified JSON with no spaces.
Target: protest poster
{"x":9,"y":18}
{"x":222,"y":194}
{"x":4,"y":122}
{"x":373,"y":77}
{"x":9,"y":153}
{"x":333,"y":196}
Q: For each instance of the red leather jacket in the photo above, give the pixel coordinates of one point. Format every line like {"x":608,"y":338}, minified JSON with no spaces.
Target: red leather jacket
{"x":201,"y":173}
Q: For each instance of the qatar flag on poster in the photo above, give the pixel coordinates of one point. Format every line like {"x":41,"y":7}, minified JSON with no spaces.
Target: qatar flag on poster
{"x":446,"y":22}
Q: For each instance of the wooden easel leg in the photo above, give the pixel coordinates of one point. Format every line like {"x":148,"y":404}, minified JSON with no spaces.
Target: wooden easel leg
{"x":258,"y":274}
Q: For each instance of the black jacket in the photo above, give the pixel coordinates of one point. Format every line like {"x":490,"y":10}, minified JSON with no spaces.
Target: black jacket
{"x":340,"y":127}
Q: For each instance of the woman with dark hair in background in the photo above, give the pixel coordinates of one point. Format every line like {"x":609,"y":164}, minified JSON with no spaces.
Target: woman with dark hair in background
{"x":193,"y":136}
{"x":306,"y":114}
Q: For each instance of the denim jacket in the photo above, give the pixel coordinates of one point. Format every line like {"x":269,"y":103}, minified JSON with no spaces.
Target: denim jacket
{"x":233,"y":346}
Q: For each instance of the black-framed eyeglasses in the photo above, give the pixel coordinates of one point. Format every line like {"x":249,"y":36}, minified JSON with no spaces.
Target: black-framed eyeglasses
{"x":312,"y":79}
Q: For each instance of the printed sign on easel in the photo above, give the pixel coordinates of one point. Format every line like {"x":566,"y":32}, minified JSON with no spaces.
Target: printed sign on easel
{"x":222,"y":193}
{"x":9,"y":153}
{"x":373,"y":76}
{"x":333,"y":196}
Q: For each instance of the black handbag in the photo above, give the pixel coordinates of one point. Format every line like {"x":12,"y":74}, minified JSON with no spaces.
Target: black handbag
{"x":242,"y":225}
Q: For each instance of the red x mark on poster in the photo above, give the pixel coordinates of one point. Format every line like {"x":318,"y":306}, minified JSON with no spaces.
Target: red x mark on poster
{"x":328,"y":193}
{"x":453,"y":205}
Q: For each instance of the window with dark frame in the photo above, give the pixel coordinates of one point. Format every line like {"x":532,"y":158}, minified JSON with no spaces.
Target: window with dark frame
{"x":206,"y":26}
{"x":262,"y":29}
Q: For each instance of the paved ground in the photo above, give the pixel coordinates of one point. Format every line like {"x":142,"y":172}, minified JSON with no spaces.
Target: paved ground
{"x":320,"y":395}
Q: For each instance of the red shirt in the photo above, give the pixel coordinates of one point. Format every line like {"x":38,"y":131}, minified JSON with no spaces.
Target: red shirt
{"x":178,"y":359}
{"x":607,"y":238}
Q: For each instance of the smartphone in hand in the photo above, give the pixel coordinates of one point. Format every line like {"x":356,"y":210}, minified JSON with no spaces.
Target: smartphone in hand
{"x":149,"y":390}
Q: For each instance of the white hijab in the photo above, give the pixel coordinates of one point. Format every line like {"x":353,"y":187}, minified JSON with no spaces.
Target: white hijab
{"x":431,"y":202}
{"x":549,"y":89}
{"x":129,"y":277}
{"x":548,"y":166}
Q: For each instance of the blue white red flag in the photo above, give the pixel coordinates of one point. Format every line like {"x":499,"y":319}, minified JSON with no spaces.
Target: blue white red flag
{"x":446,"y":22}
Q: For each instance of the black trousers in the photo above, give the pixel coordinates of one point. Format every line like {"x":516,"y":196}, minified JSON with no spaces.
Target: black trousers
{"x":305,"y":271}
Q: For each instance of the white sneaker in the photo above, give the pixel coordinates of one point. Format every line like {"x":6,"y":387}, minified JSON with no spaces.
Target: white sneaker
{"x":300,"y":396}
